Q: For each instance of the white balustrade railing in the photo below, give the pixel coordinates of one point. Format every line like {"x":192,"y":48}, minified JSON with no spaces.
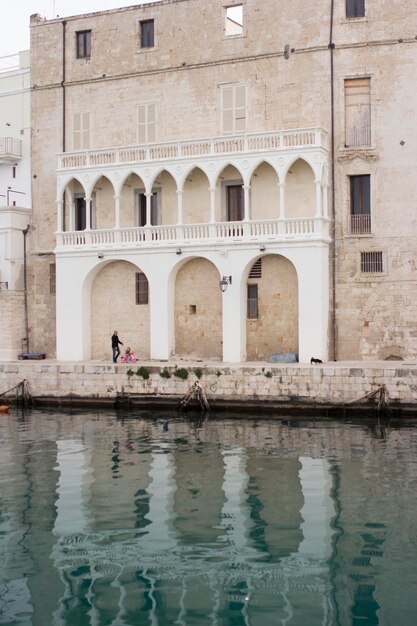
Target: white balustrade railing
{"x":10,"y":146}
{"x":255,"y":142}
{"x":273,"y":230}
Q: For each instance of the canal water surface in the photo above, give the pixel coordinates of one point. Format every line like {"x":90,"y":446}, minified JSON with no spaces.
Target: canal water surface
{"x":151,"y":519}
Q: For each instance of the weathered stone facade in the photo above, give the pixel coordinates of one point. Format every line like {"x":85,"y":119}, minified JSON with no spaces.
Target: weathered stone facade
{"x":288,"y":61}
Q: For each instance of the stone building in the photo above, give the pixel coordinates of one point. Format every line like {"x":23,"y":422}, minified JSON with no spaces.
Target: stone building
{"x":218,"y":180}
{"x":15,"y":198}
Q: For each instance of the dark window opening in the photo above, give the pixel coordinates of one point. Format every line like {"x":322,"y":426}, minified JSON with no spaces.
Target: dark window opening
{"x":193,"y":309}
{"x":142,"y":209}
{"x":235,"y":202}
{"x":355,"y":8}
{"x":52,"y":279}
{"x":252,"y":313}
{"x":14,"y":171}
{"x":142,"y":289}
{"x":83,"y":44}
{"x":360,"y":204}
{"x":80,"y":216}
{"x":371,"y":262}
{"x":147,"y":36}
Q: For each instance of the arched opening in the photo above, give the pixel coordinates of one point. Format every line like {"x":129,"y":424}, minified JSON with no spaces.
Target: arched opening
{"x":272,"y":308}
{"x":196,"y":198}
{"x":198,"y":311}
{"x":120,"y":301}
{"x":300,"y":199}
{"x":102,"y":209}
{"x":230,"y":201}
{"x":74,"y":213}
{"x":133,"y":202}
{"x":164,"y":199}
{"x":264,"y":193}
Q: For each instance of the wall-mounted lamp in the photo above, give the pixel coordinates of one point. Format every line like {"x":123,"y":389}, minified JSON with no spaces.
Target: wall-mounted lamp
{"x":225,"y":282}
{"x":178,"y":251}
{"x":100,"y":256}
{"x":262,"y":247}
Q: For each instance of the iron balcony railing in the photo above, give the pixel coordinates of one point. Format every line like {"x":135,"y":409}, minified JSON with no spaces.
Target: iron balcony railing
{"x":360,"y":224}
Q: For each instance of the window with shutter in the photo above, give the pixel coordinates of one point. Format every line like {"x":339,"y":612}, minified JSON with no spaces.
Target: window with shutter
{"x":146,"y":123}
{"x":360,"y":204}
{"x":357,"y":113}
{"x":234,"y":107}
{"x":355,"y":8}
{"x":81,"y":131}
{"x":83,"y":44}
{"x":147,"y":34}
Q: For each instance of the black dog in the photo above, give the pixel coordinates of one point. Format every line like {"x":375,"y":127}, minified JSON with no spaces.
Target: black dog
{"x":314,"y":361}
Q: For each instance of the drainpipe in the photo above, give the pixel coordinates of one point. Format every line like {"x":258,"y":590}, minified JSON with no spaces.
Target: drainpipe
{"x":25,"y":286}
{"x":64,"y":23}
{"x":331,"y":47}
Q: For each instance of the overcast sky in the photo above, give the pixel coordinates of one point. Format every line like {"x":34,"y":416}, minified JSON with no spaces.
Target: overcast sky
{"x":15,"y":14}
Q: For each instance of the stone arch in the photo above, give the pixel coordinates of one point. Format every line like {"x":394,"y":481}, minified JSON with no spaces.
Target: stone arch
{"x":198,"y":310}
{"x":103,"y":208}
{"x":164,"y":189}
{"x":196,"y":197}
{"x":300,"y":194}
{"x":272,"y":322}
{"x":264,"y":192}
{"x":113,"y":307}
{"x":72,"y":192}
{"x":132,"y":200}
{"x":226,"y":209}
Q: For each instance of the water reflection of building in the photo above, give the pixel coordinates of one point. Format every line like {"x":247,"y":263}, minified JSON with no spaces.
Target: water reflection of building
{"x":175,"y":527}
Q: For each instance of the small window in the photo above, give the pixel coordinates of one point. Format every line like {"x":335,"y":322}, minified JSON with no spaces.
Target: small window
{"x":233,"y":108}
{"x":256,"y":270}
{"x":360,"y":204}
{"x":371,"y":262}
{"x":192,"y":309}
{"x":52,"y":279}
{"x":252,"y":302}
{"x":234,"y":21}
{"x":81,"y":131}
{"x":146,"y":116}
{"x":355,"y":8}
{"x":147,"y":37}
{"x":142,"y":289}
{"x":83,"y":38}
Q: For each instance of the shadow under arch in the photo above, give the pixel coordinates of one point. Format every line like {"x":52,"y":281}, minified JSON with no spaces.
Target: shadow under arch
{"x":197,"y":300}
{"x":196,"y":196}
{"x":265,"y":197}
{"x":300,"y":193}
{"x":116,"y":296}
{"x":272,"y":318}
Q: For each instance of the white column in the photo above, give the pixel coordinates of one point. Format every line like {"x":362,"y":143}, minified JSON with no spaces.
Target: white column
{"x":72,"y":217}
{"x":180,"y":194}
{"x":60,"y":220}
{"x":281,"y":200}
{"x":246,"y":203}
{"x":87,"y":213}
{"x":73,"y":341}
{"x":161,"y":294}
{"x":313,"y":303}
{"x":234,"y":324}
{"x":325,"y":189}
{"x":212,"y":191}
{"x":117,"y":211}
{"x":148,"y":208}
{"x":318,"y":198}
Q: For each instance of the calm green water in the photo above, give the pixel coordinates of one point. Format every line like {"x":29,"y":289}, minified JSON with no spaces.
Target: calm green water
{"x":231,"y":522}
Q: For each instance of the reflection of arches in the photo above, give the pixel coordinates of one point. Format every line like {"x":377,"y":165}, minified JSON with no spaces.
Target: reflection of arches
{"x":275,"y":329}
{"x":300,"y":200}
{"x":196,"y":197}
{"x":264,"y":193}
{"x":198,"y":310}
{"x":113,"y":306}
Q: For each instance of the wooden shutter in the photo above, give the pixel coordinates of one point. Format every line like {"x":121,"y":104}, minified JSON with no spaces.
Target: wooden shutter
{"x":146,"y":123}
{"x":81,"y":131}
{"x":233,"y":104}
{"x":358,"y":112}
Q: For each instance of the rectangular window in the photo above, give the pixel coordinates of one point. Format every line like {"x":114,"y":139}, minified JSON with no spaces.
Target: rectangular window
{"x":234,"y":20}
{"x":360,"y":204}
{"x":142,"y":289}
{"x":355,"y":8}
{"x":371,"y":262}
{"x":147,"y":37}
{"x":358,"y":113}
{"x":252,"y":302}
{"x":83,"y":39}
{"x":146,"y":117}
{"x":81,"y":131}
{"x":233,"y":107}
{"x":52,"y":279}
{"x":235,"y":203}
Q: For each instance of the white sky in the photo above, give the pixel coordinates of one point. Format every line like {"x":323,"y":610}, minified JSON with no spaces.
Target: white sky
{"x":15,"y":15}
